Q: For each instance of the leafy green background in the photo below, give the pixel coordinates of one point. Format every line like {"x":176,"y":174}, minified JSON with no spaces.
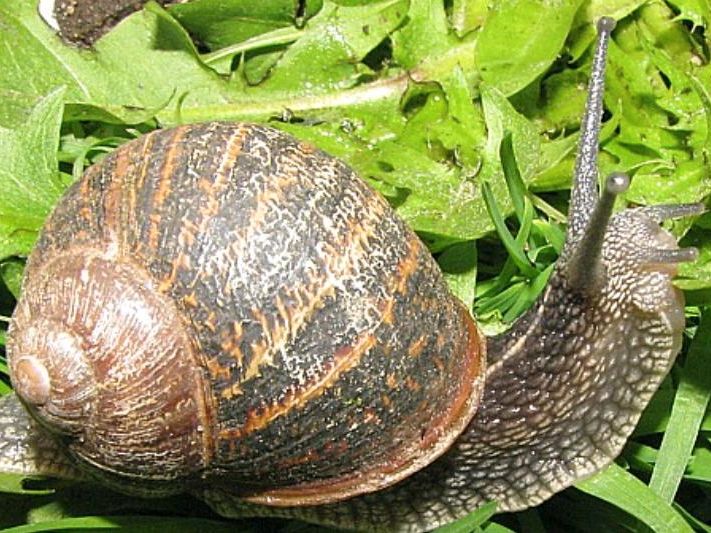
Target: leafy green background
{"x":463,"y":113}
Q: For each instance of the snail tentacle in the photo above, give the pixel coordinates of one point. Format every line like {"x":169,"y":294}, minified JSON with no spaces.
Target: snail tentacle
{"x":585,"y":271}
{"x":584,"y":192}
{"x":662,"y":212}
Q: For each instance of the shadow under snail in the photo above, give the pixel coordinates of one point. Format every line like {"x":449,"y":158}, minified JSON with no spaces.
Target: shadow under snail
{"x":223,"y":310}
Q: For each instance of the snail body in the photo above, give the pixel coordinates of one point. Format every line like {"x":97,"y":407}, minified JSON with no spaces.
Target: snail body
{"x":224,"y":310}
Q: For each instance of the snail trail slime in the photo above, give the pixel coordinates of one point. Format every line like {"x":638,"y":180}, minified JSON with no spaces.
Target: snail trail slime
{"x":223,"y":310}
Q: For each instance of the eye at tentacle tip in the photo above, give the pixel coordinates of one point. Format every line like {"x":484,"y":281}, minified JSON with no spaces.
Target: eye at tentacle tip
{"x":666,"y":254}
{"x":617,"y":183}
{"x":606,"y":24}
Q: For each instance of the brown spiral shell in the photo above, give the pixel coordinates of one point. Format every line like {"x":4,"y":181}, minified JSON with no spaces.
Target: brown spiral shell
{"x":221,"y":303}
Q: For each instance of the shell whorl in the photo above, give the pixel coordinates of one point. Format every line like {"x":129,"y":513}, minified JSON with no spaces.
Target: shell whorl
{"x":102,"y":359}
{"x":329,"y":357}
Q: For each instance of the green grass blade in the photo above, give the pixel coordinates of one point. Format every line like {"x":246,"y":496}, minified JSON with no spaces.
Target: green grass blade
{"x":527,"y":217}
{"x":699,"y":470}
{"x":513,"y":247}
{"x":552,"y":233}
{"x":528,"y":295}
{"x":19,"y":484}
{"x":508,"y":271}
{"x":688,"y":411}
{"x":623,"y":490}
{"x":517,"y":189}
{"x":4,"y":371}
{"x":459,"y":266}
{"x":501,"y":301}
{"x":497,"y":528}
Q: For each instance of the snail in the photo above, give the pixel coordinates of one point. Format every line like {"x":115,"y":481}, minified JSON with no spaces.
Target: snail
{"x":224,"y":310}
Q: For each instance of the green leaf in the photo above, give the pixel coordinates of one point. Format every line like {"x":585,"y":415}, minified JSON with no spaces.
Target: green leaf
{"x":689,"y":184}
{"x":697,"y":276}
{"x":11,"y":274}
{"x":15,"y":241}
{"x":468,"y":15}
{"x":564,"y":96}
{"x":458,"y":263}
{"x":220,"y":23}
{"x":29,"y":179}
{"x":520,"y":40}
{"x":583,"y":33}
{"x":696,"y":11}
{"x":620,"y":488}
{"x":501,"y":117}
{"x":590,"y":12}
{"x":327,"y":54}
{"x":256,"y":69}
{"x":702,"y":89}
{"x":426,"y":33}
{"x":134,"y":71}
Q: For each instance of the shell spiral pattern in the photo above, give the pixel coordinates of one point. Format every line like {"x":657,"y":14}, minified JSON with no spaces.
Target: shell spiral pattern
{"x":303,"y":330}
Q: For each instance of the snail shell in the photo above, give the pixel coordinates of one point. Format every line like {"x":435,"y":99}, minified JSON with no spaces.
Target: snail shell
{"x":221,"y":303}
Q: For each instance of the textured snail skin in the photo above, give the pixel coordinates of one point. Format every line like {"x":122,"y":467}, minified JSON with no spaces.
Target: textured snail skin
{"x":220,"y":304}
